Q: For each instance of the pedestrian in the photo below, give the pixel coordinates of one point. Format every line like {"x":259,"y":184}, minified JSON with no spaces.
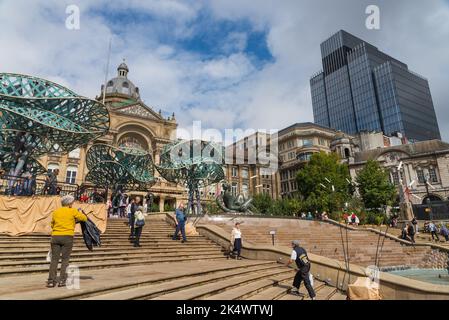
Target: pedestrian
{"x":415,"y":225}
{"x":404,"y":233}
{"x":236,"y":240}
{"x":139,"y":223}
{"x":131,"y":219}
{"x":63,"y":229}
{"x":299,"y":255}
{"x":180,"y":220}
{"x":411,"y":232}
{"x":433,"y":231}
{"x":444,"y":232}
{"x":128,"y":209}
{"x":123,"y":205}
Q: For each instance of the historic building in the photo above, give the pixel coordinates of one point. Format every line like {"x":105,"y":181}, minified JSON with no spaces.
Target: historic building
{"x":296,"y":145}
{"x":426,"y":161}
{"x":133,"y":123}
{"x":244,"y":171}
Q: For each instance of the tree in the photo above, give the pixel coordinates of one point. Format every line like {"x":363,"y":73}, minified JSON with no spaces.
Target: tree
{"x":374,"y":186}
{"x":325,"y":182}
{"x":263,"y":203}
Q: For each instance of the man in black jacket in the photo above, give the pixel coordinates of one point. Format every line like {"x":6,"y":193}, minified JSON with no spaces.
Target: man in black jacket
{"x":134,"y":206}
{"x":299,"y":255}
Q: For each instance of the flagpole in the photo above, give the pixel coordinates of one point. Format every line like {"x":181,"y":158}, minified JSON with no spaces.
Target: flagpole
{"x":107,"y":70}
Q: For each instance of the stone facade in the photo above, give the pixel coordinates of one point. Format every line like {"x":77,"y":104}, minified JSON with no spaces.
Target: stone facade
{"x":133,"y":123}
{"x":420,"y":161}
{"x":296,"y":144}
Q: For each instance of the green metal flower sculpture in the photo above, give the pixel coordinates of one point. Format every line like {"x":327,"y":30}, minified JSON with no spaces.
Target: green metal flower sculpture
{"x":120,"y":168}
{"x":194,"y":164}
{"x":38,"y":116}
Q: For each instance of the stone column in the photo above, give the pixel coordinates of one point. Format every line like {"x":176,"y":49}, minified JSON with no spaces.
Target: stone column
{"x":161,"y":203}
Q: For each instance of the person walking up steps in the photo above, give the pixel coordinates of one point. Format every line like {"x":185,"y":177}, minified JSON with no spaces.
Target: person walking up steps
{"x":236,"y":240}
{"x":132,"y":218}
{"x":433,"y":231}
{"x":63,"y":229}
{"x":299,"y":255}
{"x":139,"y":223}
{"x":180,"y":220}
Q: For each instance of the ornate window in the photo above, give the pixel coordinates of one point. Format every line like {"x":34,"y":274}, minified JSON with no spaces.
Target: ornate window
{"x":433,"y":175}
{"x":71,"y":175}
{"x":131,"y":143}
{"x":420,"y":175}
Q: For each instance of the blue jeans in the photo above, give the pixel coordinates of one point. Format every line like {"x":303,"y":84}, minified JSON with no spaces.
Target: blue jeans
{"x":180,"y":227}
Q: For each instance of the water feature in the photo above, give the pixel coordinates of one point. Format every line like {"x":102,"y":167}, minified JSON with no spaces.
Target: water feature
{"x":435,"y":276}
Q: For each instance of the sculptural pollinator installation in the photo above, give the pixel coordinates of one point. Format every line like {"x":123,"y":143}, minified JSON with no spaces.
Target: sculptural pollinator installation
{"x":38,"y":116}
{"x":194,"y":164}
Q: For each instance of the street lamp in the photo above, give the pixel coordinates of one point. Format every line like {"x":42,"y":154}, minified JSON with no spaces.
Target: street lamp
{"x":429,"y":203}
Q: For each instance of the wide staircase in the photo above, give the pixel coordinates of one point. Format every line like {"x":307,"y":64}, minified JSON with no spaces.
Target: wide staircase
{"x":160,"y":269}
{"x":327,"y":240}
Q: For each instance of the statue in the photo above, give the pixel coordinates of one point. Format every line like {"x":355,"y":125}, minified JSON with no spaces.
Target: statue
{"x":229,"y":203}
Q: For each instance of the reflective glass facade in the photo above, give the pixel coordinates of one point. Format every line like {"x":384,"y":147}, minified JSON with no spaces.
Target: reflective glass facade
{"x":363,"y":89}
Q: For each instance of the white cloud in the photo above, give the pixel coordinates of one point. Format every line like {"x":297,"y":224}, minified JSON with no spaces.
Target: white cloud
{"x":226,"y":90}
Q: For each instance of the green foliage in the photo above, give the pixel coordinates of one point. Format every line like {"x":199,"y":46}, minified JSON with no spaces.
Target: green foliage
{"x":154,"y":207}
{"x":374,"y":186}
{"x":263,"y":203}
{"x":211,"y":207}
{"x":168,"y":207}
{"x":317,"y":191}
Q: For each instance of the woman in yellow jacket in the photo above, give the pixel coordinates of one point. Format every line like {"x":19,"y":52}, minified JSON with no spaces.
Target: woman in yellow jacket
{"x":63,"y":229}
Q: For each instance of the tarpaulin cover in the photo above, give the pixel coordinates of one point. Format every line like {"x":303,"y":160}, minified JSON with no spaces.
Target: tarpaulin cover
{"x":25,"y":215}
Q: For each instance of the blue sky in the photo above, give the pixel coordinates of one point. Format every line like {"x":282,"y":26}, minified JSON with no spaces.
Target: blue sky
{"x":227,"y":63}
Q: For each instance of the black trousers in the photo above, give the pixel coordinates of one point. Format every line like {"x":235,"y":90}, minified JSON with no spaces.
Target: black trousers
{"x":303,"y":274}
{"x":238,"y":246}
{"x":137,"y":234}
{"x":434,"y":233}
{"x":131,"y":222}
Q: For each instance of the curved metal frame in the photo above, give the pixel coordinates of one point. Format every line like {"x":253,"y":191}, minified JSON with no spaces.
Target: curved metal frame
{"x":52,"y":117}
{"x":129,"y":169}
{"x":194,"y":164}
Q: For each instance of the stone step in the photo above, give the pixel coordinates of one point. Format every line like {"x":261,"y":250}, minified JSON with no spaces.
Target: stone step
{"x":97,"y":253}
{"x":108,"y":264}
{"x":205,"y":290}
{"x":244,"y":291}
{"x":44,"y":250}
{"x":146,"y":291}
{"x":76,"y":259}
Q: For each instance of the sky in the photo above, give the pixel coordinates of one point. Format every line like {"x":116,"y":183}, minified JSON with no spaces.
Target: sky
{"x":227,"y":63}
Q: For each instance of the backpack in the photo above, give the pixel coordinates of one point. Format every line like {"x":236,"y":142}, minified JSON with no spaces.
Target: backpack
{"x":140,"y":222}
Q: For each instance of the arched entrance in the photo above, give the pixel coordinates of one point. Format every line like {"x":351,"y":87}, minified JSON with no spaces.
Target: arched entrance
{"x":431,"y":198}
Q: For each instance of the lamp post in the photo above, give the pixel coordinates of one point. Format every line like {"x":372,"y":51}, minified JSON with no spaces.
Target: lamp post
{"x":428,"y":201}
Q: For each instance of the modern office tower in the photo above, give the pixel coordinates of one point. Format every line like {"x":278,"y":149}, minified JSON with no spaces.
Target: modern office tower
{"x":362,"y":89}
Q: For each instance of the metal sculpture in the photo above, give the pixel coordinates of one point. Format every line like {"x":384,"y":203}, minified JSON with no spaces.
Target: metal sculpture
{"x":194,"y":164}
{"x":229,"y":203}
{"x":120,"y":168}
{"x":38,"y":116}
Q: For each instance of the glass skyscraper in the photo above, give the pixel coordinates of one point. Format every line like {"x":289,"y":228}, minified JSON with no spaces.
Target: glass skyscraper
{"x":363,"y":89}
